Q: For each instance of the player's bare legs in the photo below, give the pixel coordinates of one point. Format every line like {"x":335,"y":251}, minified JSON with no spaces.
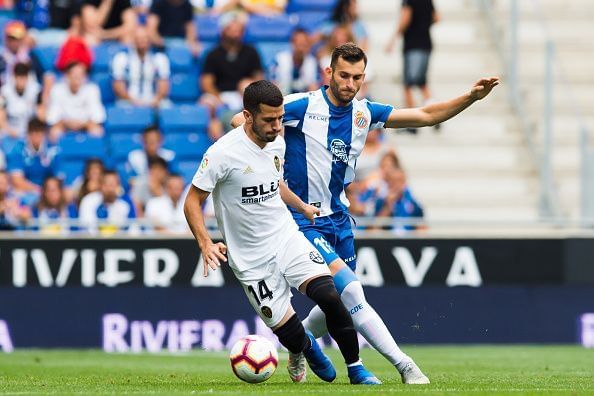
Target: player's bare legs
{"x":366,"y":321}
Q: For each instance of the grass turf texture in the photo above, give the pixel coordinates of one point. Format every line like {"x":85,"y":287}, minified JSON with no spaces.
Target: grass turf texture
{"x":472,"y":370}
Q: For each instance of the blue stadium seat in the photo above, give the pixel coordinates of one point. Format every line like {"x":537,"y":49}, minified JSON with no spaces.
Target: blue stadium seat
{"x":187,"y":146}
{"x":184,"y":119}
{"x":184,"y":88}
{"x":207,"y":26}
{"x":46,"y":57}
{"x":269,"y":28}
{"x":69,"y":170}
{"x":8,"y":142}
{"x":103,"y":80}
{"x":103,"y":55}
{"x":180,"y":59}
{"x":310,"y":5}
{"x":80,"y":146}
{"x":269,"y":50}
{"x":120,"y":144}
{"x":311,"y":20}
{"x":128,"y":119}
{"x":188,"y":168}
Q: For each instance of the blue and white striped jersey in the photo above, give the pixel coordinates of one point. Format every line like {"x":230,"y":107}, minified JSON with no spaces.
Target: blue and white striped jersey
{"x":323,"y":143}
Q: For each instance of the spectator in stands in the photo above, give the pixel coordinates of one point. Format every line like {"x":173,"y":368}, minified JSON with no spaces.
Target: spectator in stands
{"x":20,"y":101}
{"x":151,"y":185}
{"x":375,"y":148}
{"x":140,"y":75}
{"x":53,"y":211}
{"x":228,"y":69}
{"x":346,"y":14}
{"x":88,"y":182}
{"x":166,"y":212}
{"x":32,"y":161}
{"x":416,"y":19}
{"x":75,"y":104}
{"x":152,"y":141}
{"x":12,"y":213}
{"x":296,"y":70}
{"x":16,"y":49}
{"x":107,"y":20}
{"x":395,"y":198}
{"x":173,"y":19}
{"x":106,"y":210}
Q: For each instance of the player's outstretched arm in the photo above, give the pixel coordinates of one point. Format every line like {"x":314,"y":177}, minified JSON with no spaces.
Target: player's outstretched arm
{"x":436,"y":113}
{"x":291,"y":199}
{"x":212,"y":253}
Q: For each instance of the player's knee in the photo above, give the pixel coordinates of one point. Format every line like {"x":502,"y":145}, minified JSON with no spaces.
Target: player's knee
{"x":323,"y":292}
{"x":343,"y":278}
{"x":292,"y":335}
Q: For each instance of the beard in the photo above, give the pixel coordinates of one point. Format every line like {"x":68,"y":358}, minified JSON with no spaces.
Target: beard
{"x":263,"y":137}
{"x":345,"y":97}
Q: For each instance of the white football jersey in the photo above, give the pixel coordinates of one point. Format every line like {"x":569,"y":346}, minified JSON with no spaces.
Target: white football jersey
{"x":244,"y":180}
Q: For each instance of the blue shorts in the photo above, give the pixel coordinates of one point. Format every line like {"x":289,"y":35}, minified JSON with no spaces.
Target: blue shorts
{"x":332,"y":236}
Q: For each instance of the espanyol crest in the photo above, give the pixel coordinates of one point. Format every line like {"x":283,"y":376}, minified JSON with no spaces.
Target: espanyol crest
{"x":361,"y":121}
{"x":338,"y":149}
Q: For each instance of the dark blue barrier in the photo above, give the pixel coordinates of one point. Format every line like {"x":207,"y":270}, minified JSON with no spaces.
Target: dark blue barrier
{"x":180,"y":318}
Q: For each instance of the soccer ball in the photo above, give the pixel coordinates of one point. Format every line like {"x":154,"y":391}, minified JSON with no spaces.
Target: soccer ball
{"x":253,"y":359}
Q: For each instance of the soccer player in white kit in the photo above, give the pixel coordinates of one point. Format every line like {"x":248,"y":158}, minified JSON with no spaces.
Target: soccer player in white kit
{"x":265,"y":249}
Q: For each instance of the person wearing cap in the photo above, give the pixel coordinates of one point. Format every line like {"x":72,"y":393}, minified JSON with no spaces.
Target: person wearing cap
{"x":15,"y":50}
{"x":228,"y":69}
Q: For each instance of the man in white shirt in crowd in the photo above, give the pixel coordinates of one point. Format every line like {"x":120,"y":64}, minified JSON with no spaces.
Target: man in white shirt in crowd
{"x":166,"y":212}
{"x":20,"y":98}
{"x":152,"y":141}
{"x":140,"y":75}
{"x":75,"y":104}
{"x":296,"y":70}
{"x":106,"y":210}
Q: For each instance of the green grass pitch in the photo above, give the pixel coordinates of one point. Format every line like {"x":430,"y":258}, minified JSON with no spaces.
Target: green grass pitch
{"x":469,"y":370}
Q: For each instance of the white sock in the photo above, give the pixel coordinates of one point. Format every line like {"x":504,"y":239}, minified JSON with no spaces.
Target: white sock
{"x":369,"y":324}
{"x":316,"y":322}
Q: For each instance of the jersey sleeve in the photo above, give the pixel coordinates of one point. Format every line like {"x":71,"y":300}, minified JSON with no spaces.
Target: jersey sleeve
{"x":211,"y":170}
{"x":379,"y":114}
{"x":295,"y":108}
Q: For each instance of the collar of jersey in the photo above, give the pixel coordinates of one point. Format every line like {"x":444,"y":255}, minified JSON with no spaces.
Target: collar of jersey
{"x":249,"y":141}
{"x":335,"y":109}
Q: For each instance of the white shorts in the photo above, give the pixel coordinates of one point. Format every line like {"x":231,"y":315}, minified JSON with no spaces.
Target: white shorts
{"x":268,"y":286}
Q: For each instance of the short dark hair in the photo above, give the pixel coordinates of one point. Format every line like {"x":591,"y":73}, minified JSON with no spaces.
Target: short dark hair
{"x":111,"y":172}
{"x":350,"y":52}
{"x":36,"y":125}
{"x":151,"y":128}
{"x":156,"y":161}
{"x":72,"y":64}
{"x":299,"y":30}
{"x":261,"y":92}
{"x":21,"y":69}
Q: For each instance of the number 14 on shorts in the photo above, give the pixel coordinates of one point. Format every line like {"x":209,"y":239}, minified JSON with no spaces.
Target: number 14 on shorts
{"x":263,"y":292}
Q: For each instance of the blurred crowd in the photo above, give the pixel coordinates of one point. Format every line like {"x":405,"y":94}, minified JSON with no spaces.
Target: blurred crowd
{"x":68,"y":67}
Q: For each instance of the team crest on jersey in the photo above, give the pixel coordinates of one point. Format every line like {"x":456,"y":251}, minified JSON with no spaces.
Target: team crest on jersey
{"x":316,"y":257}
{"x":277,"y":163}
{"x":339,"y":151}
{"x":361,"y":121}
{"x":204,"y":163}
{"x":266,"y":311}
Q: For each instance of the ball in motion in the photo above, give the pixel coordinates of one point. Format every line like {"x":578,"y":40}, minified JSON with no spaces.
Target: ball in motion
{"x":253,"y":359}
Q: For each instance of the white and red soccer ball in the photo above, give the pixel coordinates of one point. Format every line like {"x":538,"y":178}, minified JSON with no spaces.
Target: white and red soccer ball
{"x":253,"y":359}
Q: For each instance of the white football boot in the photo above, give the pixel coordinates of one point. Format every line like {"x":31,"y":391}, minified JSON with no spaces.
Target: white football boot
{"x":296,"y":366}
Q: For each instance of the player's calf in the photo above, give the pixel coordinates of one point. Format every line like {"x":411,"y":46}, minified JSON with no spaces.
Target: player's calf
{"x":292,"y":336}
